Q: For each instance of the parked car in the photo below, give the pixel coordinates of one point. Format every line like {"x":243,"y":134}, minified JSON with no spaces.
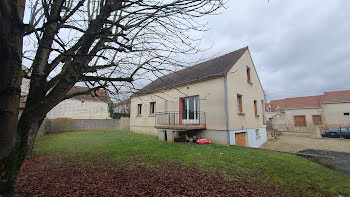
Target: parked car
{"x":341,"y":132}
{"x":332,"y":133}
{"x":345,"y":132}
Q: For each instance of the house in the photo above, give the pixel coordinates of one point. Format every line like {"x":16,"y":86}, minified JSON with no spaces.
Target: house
{"x":89,"y":106}
{"x":309,"y":114}
{"x":271,"y":109}
{"x":221,"y":99}
{"x":122,"y":107}
{"x":336,"y":109}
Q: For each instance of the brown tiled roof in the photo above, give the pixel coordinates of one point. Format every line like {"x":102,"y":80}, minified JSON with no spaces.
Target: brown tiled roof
{"x":98,"y":95}
{"x":336,"y":97}
{"x":275,"y":104}
{"x":304,"y":102}
{"x":206,"y":70}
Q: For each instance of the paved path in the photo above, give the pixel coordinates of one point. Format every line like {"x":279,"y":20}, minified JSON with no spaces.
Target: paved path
{"x":342,"y":159}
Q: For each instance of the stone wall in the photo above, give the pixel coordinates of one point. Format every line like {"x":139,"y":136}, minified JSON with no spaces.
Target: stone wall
{"x":63,"y":125}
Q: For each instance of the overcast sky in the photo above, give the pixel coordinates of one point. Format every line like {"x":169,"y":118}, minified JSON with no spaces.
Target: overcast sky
{"x":299,"y":47}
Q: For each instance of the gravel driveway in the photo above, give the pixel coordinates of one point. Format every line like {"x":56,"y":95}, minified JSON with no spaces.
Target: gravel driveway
{"x":342,"y":159}
{"x":337,"y":148}
{"x":290,"y":143}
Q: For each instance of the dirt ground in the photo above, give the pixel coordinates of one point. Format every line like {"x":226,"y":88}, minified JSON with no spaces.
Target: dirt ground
{"x":290,"y":143}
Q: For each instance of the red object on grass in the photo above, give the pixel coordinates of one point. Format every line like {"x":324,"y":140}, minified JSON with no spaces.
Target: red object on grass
{"x":203,"y":141}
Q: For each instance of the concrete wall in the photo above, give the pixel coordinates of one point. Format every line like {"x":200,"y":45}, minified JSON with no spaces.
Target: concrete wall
{"x":77,"y":109}
{"x":149,"y":130}
{"x":62,"y":125}
{"x":269,"y":115}
{"x":333,"y":115}
{"x":279,"y":122}
{"x":237,"y":83}
{"x":215,"y":136}
{"x":253,"y":140}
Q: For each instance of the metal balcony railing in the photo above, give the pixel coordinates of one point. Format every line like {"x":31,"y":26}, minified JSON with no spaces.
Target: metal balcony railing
{"x":186,"y":118}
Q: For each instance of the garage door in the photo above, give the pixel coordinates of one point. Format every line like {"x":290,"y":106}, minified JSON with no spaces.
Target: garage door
{"x":241,"y":139}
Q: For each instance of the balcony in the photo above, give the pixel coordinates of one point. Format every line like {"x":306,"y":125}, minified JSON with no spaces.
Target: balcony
{"x":187,"y":121}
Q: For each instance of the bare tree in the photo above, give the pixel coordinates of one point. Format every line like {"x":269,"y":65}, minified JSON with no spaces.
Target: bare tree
{"x":102,"y":43}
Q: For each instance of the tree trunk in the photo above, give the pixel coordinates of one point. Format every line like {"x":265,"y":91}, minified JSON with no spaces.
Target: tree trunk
{"x":11,"y":35}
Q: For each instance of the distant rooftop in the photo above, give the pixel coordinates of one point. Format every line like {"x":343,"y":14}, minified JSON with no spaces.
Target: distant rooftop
{"x":310,"y":101}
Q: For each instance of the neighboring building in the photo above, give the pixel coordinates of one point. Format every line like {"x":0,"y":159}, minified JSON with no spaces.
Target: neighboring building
{"x":90,"y":106}
{"x":309,"y":114}
{"x":221,"y":99}
{"x":271,"y":109}
{"x":336,"y":109}
{"x":122,"y":107}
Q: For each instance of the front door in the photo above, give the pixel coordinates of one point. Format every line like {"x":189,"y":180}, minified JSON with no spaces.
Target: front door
{"x":190,"y":110}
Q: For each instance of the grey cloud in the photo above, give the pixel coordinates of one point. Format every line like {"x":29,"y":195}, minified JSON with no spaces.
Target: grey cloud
{"x":299,"y":47}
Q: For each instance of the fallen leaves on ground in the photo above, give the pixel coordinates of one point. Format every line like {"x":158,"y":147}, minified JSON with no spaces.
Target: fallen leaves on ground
{"x":53,"y":176}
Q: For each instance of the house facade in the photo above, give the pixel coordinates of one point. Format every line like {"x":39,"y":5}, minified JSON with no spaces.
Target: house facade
{"x":90,"y":106}
{"x":313,"y":113}
{"x":336,"y":109}
{"x":220,"y":99}
{"x":122,"y":106}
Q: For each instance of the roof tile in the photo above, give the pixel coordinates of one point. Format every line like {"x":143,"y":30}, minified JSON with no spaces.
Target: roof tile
{"x":336,"y":97}
{"x":304,"y":102}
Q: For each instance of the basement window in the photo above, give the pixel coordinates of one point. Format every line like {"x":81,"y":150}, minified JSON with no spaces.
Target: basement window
{"x":257,"y":133}
{"x":346,"y":114}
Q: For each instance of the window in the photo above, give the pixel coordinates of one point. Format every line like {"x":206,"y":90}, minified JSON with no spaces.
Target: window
{"x":316,"y":119}
{"x":239,"y":103}
{"x":347,"y":114}
{"x":139,"y":109}
{"x":248,"y":75}
{"x":189,"y":110}
{"x":300,"y":121}
{"x":257,"y":133}
{"x":152,"y":108}
{"x":255,"y":108}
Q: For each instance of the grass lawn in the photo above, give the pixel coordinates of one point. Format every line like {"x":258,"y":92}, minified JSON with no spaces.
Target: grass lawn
{"x":290,"y":173}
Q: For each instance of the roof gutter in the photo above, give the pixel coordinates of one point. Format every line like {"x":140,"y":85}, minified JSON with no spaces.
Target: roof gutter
{"x":226,"y":110}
